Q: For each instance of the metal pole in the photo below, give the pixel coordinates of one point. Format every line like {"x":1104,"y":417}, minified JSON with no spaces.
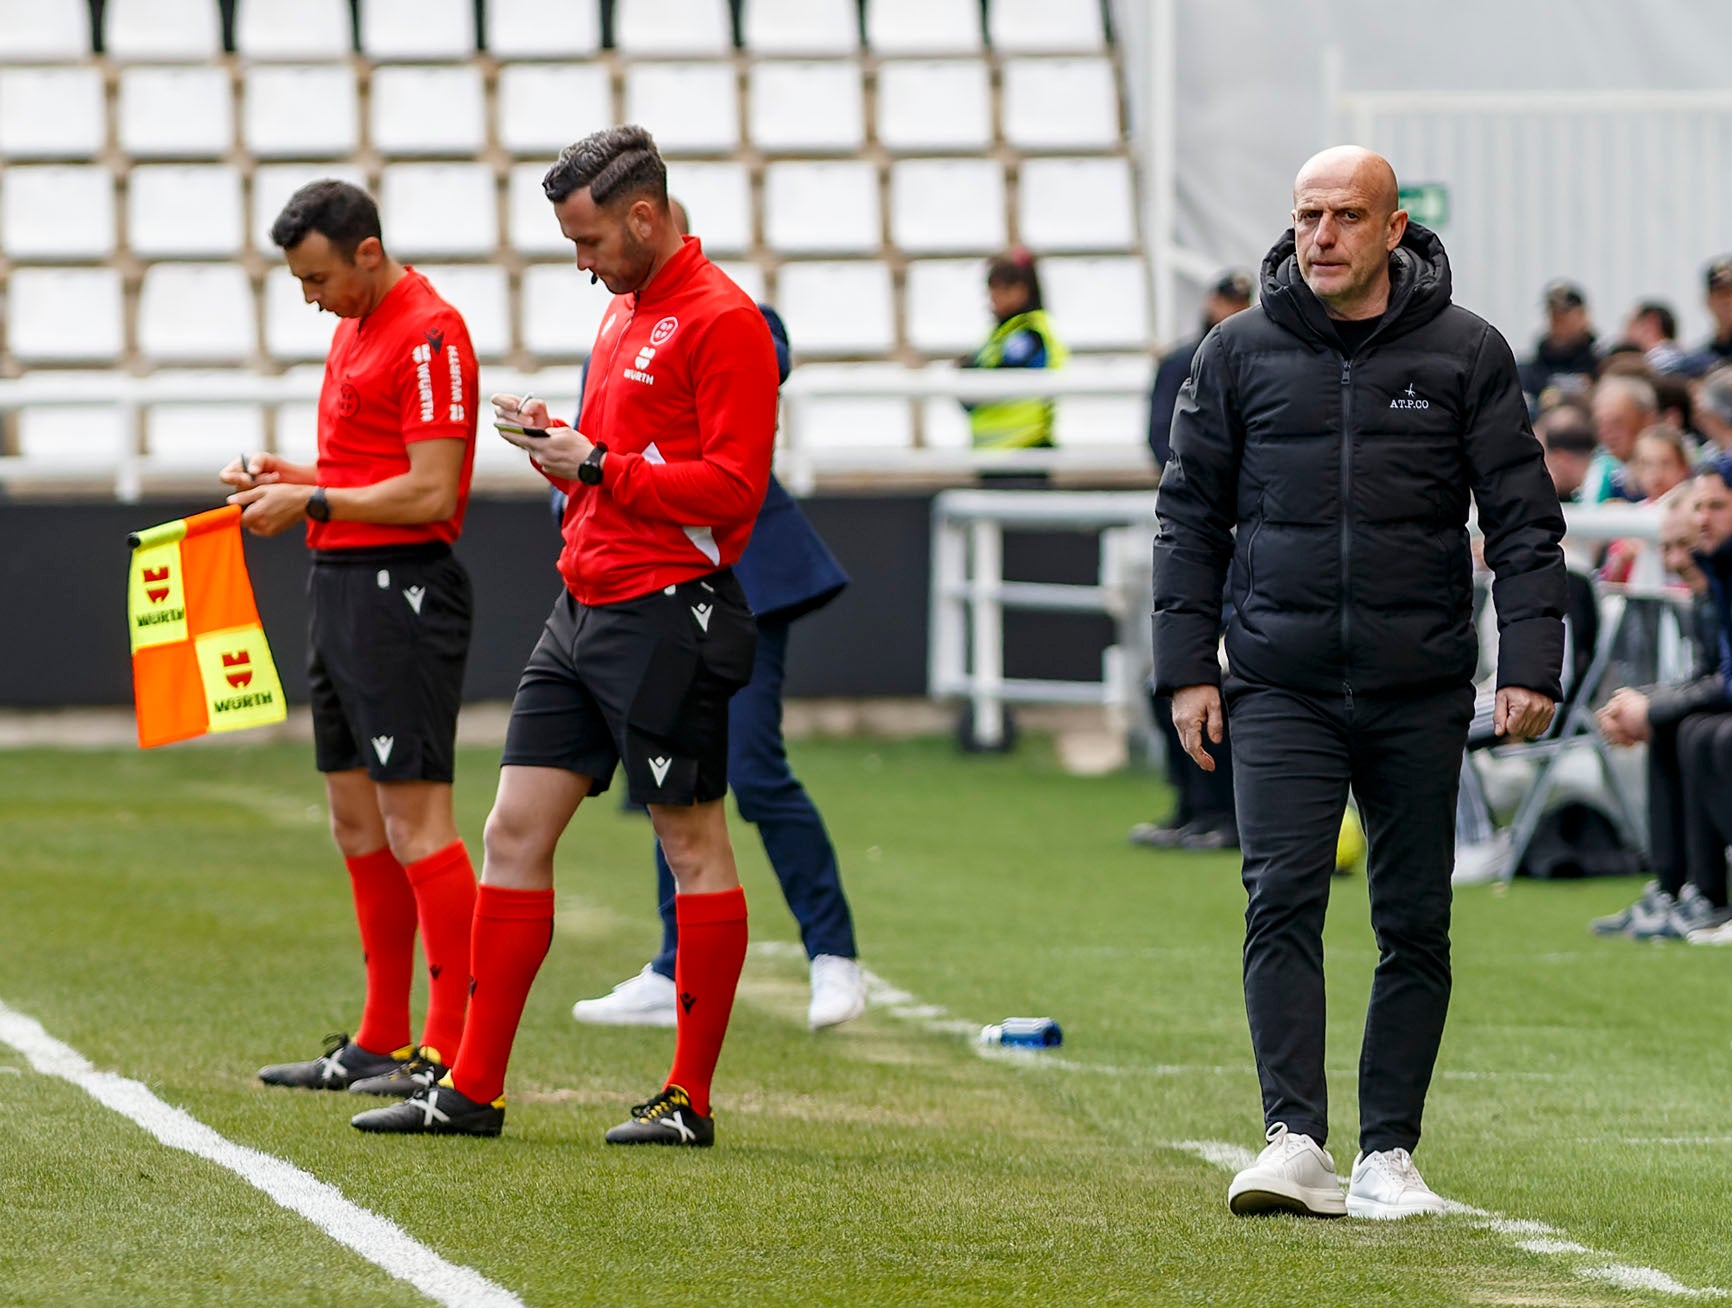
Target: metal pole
{"x":986,"y":562}
{"x":1163,"y":207}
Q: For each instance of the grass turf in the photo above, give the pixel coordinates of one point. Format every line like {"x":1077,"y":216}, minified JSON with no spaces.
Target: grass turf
{"x":181,"y":918}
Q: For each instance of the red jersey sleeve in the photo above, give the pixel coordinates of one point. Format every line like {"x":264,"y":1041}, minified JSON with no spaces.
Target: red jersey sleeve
{"x":438,"y":382}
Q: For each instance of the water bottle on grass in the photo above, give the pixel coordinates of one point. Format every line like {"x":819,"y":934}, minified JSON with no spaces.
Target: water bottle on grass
{"x":1023,"y":1033}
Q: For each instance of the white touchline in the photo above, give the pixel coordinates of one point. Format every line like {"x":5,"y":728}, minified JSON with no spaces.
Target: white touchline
{"x":381,"y":1242}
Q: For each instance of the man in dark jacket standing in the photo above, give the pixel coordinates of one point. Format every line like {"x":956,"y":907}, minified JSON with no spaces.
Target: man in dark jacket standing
{"x":1325,"y":447}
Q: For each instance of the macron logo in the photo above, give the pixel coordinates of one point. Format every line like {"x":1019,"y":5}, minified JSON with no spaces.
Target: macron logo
{"x":659,"y":769}
{"x":702,"y":613}
{"x":415,"y":594}
{"x":382,"y":747}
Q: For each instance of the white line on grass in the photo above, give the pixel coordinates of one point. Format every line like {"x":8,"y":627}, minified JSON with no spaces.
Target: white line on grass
{"x":381,"y":1242}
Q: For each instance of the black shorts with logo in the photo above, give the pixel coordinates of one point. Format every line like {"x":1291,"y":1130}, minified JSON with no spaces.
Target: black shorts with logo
{"x":389,"y":634}
{"x":646,"y":681}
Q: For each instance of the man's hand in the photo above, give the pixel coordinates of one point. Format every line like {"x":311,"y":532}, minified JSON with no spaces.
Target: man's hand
{"x":268,"y":510}
{"x":1522,"y":714}
{"x":1197,"y":709}
{"x":251,"y":470}
{"x":1624,"y":719}
{"x":560,"y":453}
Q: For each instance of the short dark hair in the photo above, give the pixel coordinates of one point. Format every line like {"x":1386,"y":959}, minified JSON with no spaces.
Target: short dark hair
{"x":613,"y":163}
{"x":1662,"y":315}
{"x":1016,"y":267}
{"x":341,"y":212}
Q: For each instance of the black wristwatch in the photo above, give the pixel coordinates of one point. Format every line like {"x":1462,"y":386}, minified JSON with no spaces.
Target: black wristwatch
{"x":589,"y":471}
{"x":318,"y":507}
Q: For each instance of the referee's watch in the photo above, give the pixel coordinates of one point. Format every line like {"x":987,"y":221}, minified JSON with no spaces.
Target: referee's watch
{"x":589,"y":471}
{"x":318,"y":507}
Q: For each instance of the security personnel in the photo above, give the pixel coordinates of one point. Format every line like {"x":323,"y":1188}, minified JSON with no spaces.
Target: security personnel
{"x":1023,"y":338}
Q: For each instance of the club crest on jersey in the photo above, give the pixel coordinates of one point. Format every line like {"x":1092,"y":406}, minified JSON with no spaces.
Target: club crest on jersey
{"x":660,"y":333}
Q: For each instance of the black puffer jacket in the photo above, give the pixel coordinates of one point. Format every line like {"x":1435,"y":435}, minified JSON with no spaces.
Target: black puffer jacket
{"x":1347,"y":480}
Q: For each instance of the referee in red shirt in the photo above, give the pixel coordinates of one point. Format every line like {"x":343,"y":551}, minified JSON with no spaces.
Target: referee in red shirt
{"x":389,"y":622}
{"x":652,"y":635}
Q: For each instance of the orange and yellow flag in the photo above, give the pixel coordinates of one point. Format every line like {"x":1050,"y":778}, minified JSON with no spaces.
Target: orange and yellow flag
{"x":200,"y":661}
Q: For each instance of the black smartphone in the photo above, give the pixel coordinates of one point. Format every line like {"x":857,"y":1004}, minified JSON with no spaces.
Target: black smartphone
{"x":520,"y":431}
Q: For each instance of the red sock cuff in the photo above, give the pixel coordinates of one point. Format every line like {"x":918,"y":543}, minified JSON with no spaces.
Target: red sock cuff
{"x":703,"y":910}
{"x":454,"y":857}
{"x":378,"y":863}
{"x":502,"y":904}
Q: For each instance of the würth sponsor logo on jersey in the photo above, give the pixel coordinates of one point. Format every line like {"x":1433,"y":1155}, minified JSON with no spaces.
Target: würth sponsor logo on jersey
{"x":644,"y":355}
{"x":423,"y":355}
{"x":156,"y":584}
{"x":1409,"y":399}
{"x":237,"y":668}
{"x":454,"y":366}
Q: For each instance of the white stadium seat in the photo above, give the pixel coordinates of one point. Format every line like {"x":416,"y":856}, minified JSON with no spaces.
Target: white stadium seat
{"x":64,"y":315}
{"x":806,"y":107}
{"x":688,"y":108}
{"x":947,"y":311}
{"x":200,"y":437}
{"x":1077,"y":204}
{"x":96,"y":437}
{"x":944,"y":206}
{"x":747,"y":276}
{"x":855,"y":422}
{"x":1061,"y":104}
{"x":561,"y":312}
{"x":161,"y":30}
{"x":479,"y":292}
{"x":33,"y":30}
{"x":921,"y":27}
{"x":934,"y":105}
{"x":837,"y":308}
{"x":801,"y":27}
{"x":531,"y":227}
{"x":1097,"y":304}
{"x":57,"y":211}
{"x":1111,"y":420}
{"x":78,"y":127}
{"x":944,"y":422}
{"x":294,"y":329}
{"x":176,"y":112}
{"x":410,"y":30}
{"x":545,"y":107}
{"x":184,"y":211}
{"x":718,"y":201}
{"x":429,"y":111}
{"x":672,"y":27}
{"x":307,"y":29}
{"x":297,"y":435}
{"x":1045,"y":26}
{"x":300,"y":111}
{"x":196,"y":313}
{"x":822,"y":208}
{"x":439,"y":209}
{"x":273,"y":184}
{"x":543,"y":29}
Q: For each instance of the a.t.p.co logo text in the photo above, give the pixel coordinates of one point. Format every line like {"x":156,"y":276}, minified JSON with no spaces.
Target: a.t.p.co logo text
{"x":1408,"y":399}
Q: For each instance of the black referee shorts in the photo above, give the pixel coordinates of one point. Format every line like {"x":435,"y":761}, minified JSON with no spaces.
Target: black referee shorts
{"x":389,"y":634}
{"x":646,"y":682}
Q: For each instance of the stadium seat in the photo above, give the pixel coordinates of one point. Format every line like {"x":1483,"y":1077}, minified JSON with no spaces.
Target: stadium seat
{"x":1044,"y":26}
{"x":531,"y":227}
{"x":561,"y":311}
{"x":718,"y":201}
{"x":273,"y":184}
{"x":184,"y":211}
{"x":672,"y":27}
{"x":32,"y":30}
{"x":947,"y":311}
{"x":545,"y":107}
{"x":410,"y":30}
{"x":439,"y":209}
{"x":1104,"y":420}
{"x":161,"y":30}
{"x":748,"y":277}
{"x":688,"y":108}
{"x":1061,"y":104}
{"x":801,"y":27}
{"x":200,"y":437}
{"x":176,"y":112}
{"x":308,"y":29}
{"x":943,"y":206}
{"x":297,"y":434}
{"x":844,"y":423}
{"x":478,"y":292}
{"x":934,"y":105}
{"x":303,"y":111}
{"x":806,"y":107}
{"x":196,"y":313}
{"x":294,"y":329}
{"x":822,"y":208}
{"x":543,"y":29}
{"x":923,"y":27}
{"x":944,"y":423}
{"x":64,"y":315}
{"x":96,"y":436}
{"x":1077,"y":204}
{"x":838,"y":308}
{"x":56,"y":211}
{"x":78,"y":127}
{"x":1098,"y":304}
{"x":441,"y":111}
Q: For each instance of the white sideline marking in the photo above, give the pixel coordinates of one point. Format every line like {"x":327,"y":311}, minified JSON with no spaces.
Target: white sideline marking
{"x":381,"y":1242}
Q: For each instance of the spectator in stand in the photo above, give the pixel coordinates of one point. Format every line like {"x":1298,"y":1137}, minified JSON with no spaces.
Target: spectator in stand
{"x":1230,"y":294}
{"x":1564,"y":357}
{"x":1022,"y":337}
{"x":1661,"y":461}
{"x":1713,"y":411}
{"x":1567,"y":432}
{"x":1624,"y":406}
{"x":1653,"y":329}
{"x":1718,"y":350}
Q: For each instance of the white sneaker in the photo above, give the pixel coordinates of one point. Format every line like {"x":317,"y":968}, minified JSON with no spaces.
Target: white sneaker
{"x":1293,"y":1175}
{"x":838,"y":991}
{"x":647,"y":999}
{"x":1711,"y":935}
{"x":1386,"y":1185}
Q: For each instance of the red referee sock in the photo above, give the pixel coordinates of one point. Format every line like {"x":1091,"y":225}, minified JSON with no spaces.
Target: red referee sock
{"x":385,"y":909}
{"x":513,"y":929}
{"x":444,"y":886}
{"x":706,"y":972}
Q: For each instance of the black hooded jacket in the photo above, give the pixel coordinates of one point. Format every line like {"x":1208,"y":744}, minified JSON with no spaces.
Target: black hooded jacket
{"x":1337,"y":488}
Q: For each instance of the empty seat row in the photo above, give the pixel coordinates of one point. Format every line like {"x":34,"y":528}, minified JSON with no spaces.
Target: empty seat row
{"x":155,"y":30}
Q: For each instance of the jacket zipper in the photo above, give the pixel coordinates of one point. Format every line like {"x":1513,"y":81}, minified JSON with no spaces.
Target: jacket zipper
{"x":1346,"y":526}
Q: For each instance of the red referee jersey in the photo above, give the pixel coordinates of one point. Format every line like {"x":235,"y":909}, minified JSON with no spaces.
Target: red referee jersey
{"x":682,"y":391}
{"x":404,"y":373}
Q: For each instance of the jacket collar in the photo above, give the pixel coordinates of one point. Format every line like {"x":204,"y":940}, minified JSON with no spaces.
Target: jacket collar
{"x":673,"y":275}
{"x":1419,"y":288}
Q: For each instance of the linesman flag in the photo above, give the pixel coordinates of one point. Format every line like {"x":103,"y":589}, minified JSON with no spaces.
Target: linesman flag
{"x":200,"y":661}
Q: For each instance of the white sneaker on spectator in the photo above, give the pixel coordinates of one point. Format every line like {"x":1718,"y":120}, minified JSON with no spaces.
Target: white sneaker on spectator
{"x":1293,"y":1175}
{"x":838,"y":991}
{"x":647,"y":999}
{"x":1648,"y":916}
{"x":1621,"y":923}
{"x":1711,"y":935}
{"x":1386,"y":1185}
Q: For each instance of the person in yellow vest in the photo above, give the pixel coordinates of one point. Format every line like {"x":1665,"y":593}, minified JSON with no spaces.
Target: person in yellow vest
{"x":1022,"y":338}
